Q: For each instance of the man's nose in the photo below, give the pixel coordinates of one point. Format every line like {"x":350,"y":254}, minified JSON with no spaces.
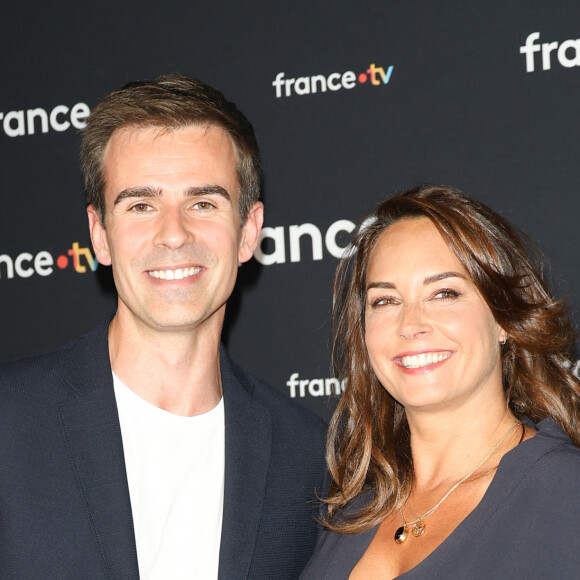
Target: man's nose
{"x":173,"y":229}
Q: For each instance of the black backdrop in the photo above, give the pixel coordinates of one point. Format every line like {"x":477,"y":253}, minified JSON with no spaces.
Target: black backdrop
{"x":448,"y":97}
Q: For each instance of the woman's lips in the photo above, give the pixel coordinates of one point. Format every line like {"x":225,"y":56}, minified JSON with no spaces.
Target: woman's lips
{"x":422,"y":362}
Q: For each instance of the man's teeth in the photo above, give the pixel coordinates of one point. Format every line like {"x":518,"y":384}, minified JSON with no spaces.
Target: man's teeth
{"x":177,"y":274}
{"x":421,"y":360}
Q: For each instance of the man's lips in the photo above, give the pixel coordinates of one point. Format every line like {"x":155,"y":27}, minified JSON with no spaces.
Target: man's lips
{"x":422,"y":359}
{"x":174,"y":273}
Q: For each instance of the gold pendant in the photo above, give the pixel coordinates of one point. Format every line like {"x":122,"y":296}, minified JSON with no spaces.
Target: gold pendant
{"x":401,"y":534}
{"x":418,"y":529}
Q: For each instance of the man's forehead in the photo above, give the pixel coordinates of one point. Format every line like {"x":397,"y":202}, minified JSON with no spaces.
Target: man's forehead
{"x":127,"y":141}
{"x":132,"y":147}
{"x":148,"y":133}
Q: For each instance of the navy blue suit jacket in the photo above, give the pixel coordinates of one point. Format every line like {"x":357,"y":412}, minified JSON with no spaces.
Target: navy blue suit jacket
{"x":65,"y":511}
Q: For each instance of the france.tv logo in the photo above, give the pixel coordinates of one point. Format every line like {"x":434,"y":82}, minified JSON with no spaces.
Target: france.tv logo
{"x":25,"y":264}
{"x":374,"y":75}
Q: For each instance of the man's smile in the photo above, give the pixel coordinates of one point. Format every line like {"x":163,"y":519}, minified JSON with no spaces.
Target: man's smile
{"x":174,"y":274}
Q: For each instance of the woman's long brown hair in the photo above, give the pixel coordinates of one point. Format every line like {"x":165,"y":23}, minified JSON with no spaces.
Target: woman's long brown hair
{"x":368,"y":445}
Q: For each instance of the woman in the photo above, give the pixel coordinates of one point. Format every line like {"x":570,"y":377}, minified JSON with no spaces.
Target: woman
{"x":453,"y":450}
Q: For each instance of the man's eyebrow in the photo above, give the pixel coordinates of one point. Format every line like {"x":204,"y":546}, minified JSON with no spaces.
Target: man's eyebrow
{"x":428,"y":280}
{"x":207,"y":190}
{"x":137,"y":192}
{"x":146,"y":191}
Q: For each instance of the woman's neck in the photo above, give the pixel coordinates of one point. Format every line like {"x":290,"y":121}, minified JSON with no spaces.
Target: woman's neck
{"x":446,"y":447}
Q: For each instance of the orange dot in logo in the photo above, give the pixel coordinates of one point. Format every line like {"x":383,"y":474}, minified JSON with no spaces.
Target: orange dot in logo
{"x":362,"y":78}
{"x":62,"y":262}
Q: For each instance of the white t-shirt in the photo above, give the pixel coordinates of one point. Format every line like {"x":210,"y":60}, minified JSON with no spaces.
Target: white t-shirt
{"x":175,"y":467}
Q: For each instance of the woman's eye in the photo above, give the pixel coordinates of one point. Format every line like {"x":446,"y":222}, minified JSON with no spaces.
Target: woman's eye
{"x":383,"y":301}
{"x":446,"y":294}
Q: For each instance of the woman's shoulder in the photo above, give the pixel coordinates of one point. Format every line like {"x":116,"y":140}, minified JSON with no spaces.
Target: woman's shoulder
{"x":336,"y":554}
{"x":548,"y":463}
{"x":552,"y":446}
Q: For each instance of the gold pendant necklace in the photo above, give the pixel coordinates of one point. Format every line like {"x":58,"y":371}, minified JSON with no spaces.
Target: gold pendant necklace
{"x":418,"y":524}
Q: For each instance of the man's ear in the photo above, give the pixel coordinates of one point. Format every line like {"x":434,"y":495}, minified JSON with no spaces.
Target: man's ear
{"x":98,"y":237}
{"x":251,"y":232}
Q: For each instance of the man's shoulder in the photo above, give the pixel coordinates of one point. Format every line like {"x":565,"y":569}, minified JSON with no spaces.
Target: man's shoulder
{"x":278,"y":403}
{"x":285,"y":412}
{"x":41,"y":375}
{"x":44,"y":365}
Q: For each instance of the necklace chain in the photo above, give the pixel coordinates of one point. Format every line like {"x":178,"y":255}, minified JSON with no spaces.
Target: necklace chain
{"x":417,"y":523}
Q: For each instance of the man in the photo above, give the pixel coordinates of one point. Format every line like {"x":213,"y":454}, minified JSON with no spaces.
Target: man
{"x":141,"y":449}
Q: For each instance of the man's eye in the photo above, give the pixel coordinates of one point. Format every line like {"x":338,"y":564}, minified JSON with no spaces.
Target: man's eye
{"x":140,"y":207}
{"x":203,"y":205}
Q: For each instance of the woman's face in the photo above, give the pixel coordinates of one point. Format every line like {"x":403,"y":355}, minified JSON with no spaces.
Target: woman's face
{"x":432,"y":340}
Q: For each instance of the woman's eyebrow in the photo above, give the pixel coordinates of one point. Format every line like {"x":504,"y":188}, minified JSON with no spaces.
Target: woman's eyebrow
{"x":442,"y":276}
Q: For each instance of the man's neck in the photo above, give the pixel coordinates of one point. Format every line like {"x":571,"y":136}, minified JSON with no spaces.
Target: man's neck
{"x":178,"y":372}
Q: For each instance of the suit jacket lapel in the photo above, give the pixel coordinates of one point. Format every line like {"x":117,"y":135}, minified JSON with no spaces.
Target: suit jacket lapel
{"x":93,"y":434}
{"x":248,"y":436}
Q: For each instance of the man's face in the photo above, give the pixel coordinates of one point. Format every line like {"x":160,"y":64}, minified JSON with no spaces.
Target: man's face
{"x":173,"y":231}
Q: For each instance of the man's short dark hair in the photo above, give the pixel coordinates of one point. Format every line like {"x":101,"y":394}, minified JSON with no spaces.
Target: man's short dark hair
{"x":168,"y":102}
